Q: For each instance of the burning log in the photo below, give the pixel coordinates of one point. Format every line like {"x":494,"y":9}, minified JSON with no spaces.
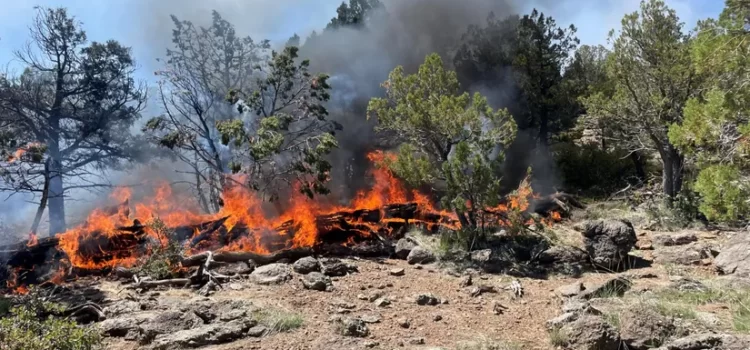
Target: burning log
{"x":555,"y":203}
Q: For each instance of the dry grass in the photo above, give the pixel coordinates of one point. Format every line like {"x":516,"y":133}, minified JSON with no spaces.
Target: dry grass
{"x":557,"y":337}
{"x":278,"y":320}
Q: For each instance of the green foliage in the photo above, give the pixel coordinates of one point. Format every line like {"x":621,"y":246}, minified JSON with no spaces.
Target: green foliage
{"x":652,"y":77}
{"x":724,"y":193}
{"x":716,"y":129}
{"x":163,"y":262}
{"x":543,"y":51}
{"x":447,"y":136}
{"x":31,"y":326}
{"x":354,"y":14}
{"x":290,"y":122}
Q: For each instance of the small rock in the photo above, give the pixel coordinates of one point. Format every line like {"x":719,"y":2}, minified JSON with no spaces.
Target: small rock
{"x":335,"y":267}
{"x":465,"y":282}
{"x":371,"y":344}
{"x":343,"y":304}
{"x":306,"y":265}
{"x":644,"y":245}
{"x":708,"y":319}
{"x":614,"y":287}
{"x":404,"y":322}
{"x":317,"y":281}
{"x":415,"y":341}
{"x":362,"y":297}
{"x":382,"y":302}
{"x":418,"y":267}
{"x":404,"y":246}
{"x":497,"y":308}
{"x":235,"y":286}
{"x":354,"y":327}
{"x":427,"y":299}
{"x":437,"y":318}
{"x":375,"y":296}
{"x":370,"y":318}
{"x":668,"y":240}
{"x":397,"y":272}
{"x":420,"y":255}
{"x":481,"y":289}
{"x":257,"y":331}
{"x":570,"y":290}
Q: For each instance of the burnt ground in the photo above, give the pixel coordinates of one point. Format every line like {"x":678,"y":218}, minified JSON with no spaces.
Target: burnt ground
{"x":462,"y":321}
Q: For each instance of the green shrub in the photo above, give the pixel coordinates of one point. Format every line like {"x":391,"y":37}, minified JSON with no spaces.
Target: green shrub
{"x":164,"y":262}
{"x":30,"y":325}
{"x":724,"y":193}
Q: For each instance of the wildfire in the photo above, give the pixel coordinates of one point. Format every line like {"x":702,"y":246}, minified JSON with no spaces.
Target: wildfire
{"x":106,"y":239}
{"x":18,"y":153}
{"x":33,"y":240}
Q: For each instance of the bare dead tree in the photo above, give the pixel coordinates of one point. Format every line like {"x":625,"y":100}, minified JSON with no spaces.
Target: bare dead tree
{"x":77,"y":101}
{"x":201,"y":68}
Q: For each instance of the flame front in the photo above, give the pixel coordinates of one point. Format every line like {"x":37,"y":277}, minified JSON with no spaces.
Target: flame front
{"x":99,"y":243}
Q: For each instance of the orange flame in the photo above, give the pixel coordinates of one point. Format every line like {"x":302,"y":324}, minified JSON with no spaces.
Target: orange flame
{"x":33,"y":240}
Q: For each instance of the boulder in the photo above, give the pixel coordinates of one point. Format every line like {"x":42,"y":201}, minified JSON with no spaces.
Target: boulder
{"x":271,"y":274}
{"x":709,"y":341}
{"x":590,"y":332}
{"x":404,"y":246}
{"x":211,"y":334}
{"x":166,"y":323}
{"x":317,"y":281}
{"x":668,"y":240}
{"x":608,"y":242}
{"x":306,"y":265}
{"x":644,"y":328}
{"x":335,"y":267}
{"x":735,"y":256}
{"x":420,"y":255}
{"x":690,"y":254}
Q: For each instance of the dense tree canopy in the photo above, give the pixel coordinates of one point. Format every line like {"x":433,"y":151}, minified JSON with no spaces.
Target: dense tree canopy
{"x":653,"y":77}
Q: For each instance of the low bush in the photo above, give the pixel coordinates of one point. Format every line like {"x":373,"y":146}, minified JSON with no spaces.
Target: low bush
{"x":30,"y":325}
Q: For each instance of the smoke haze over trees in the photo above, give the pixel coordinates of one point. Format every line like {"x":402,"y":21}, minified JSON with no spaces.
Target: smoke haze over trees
{"x":290,"y":108}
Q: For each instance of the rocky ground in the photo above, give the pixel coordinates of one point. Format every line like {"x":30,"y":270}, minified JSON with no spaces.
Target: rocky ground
{"x":668,"y":293}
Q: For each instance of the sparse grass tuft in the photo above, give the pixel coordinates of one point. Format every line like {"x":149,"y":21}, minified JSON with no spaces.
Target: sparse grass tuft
{"x":278,"y":321}
{"x":683,"y":302}
{"x":557,"y":337}
{"x":613,"y":318}
{"x":485,"y":343}
{"x":675,"y":310}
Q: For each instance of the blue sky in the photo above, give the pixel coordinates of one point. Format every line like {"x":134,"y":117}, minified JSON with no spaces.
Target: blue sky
{"x":134,"y":21}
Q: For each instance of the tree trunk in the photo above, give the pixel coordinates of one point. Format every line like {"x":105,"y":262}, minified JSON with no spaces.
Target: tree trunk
{"x":672,"y":171}
{"x":640,"y":171}
{"x":56,"y":196}
{"x":43,"y":201}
